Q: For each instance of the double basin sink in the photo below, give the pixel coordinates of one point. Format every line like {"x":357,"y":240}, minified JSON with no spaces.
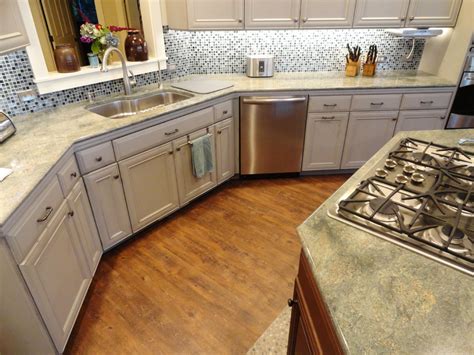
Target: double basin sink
{"x":125,"y":107}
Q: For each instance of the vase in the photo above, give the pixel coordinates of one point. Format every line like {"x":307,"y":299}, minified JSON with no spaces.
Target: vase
{"x":66,"y":58}
{"x":136,"y":48}
{"x":93,"y":60}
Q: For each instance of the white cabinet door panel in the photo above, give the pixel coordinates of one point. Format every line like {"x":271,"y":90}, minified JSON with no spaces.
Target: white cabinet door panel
{"x":272,"y":13}
{"x":215,"y":14}
{"x":327,"y":13}
{"x":149,"y":182}
{"x":225,"y":152}
{"x":421,"y":120}
{"x":12,"y":31}
{"x":425,"y":13}
{"x":381,"y":13}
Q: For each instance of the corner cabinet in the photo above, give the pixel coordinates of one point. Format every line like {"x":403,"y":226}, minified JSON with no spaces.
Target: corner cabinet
{"x":272,"y":14}
{"x":327,"y":13}
{"x":424,"y":13}
{"x":12,"y":30}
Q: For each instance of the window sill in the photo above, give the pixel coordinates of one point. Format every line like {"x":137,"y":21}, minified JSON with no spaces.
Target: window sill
{"x":55,"y":81}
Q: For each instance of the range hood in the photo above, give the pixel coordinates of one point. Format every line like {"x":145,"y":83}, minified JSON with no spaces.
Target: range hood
{"x":416,"y":32}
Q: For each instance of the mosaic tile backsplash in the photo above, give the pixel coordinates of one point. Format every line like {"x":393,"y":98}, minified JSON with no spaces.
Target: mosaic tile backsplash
{"x":209,"y":52}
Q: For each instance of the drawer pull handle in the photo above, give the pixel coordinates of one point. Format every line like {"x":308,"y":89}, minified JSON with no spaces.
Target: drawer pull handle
{"x":71,"y":214}
{"x":376,"y":103}
{"x":225,"y":112}
{"x":98,"y":159}
{"x":46,"y":215}
{"x":426,"y":102}
{"x":292,"y":302}
{"x":172,"y":132}
{"x":116,"y":177}
{"x":74,"y":174}
{"x":328,"y":117}
{"x":328,"y":105}
{"x":394,"y":119}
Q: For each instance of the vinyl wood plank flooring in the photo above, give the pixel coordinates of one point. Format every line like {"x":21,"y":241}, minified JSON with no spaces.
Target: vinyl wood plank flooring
{"x":209,"y":279}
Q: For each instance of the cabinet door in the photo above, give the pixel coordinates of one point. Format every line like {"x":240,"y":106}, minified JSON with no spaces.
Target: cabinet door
{"x":58,"y":276}
{"x":421,"y":120}
{"x":381,"y":13}
{"x":85,"y":225}
{"x":12,"y":31}
{"x":324,"y":142}
{"x":189,"y":186}
{"x":425,"y":13}
{"x":327,"y":13}
{"x":105,"y":192}
{"x":272,"y":13}
{"x":149,"y":182}
{"x":215,"y":14}
{"x":367,"y":132}
{"x":225,"y":150}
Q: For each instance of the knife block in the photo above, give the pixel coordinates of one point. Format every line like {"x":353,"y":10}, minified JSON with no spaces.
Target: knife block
{"x":369,"y":69}
{"x":352,"y":68}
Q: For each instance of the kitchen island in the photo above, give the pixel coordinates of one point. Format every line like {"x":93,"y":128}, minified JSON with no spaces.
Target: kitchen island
{"x":382,"y":298}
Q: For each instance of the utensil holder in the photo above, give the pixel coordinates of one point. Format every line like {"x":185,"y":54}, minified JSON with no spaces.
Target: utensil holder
{"x":369,"y":69}
{"x":352,"y":68}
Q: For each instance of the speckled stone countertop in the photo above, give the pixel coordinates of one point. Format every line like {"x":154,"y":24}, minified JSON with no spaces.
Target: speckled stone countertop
{"x":43,"y":138}
{"x":384,"y":298}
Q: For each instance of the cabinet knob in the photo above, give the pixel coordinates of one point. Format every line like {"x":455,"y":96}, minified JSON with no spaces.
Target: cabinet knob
{"x":170,"y":152}
{"x":71,"y":214}
{"x":411,"y":18}
{"x":98,"y":159}
{"x":225,"y":112}
{"x":295,"y":20}
{"x":403,"y":19}
{"x":178,"y":149}
{"x":292,"y":302}
{"x":305,"y":20}
{"x":442,"y":117}
{"x":240,"y":20}
{"x":394,"y":119}
{"x":116,"y":177}
{"x":219,"y":132}
{"x":74,"y":174}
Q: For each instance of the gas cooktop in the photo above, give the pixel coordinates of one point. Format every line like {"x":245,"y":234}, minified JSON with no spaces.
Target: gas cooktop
{"x":421,"y":198}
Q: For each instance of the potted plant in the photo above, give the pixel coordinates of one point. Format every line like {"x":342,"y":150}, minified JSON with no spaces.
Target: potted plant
{"x":100,"y":37}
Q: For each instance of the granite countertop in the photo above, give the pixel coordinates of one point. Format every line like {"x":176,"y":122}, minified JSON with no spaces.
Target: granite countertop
{"x":43,"y":138}
{"x":384,"y":298}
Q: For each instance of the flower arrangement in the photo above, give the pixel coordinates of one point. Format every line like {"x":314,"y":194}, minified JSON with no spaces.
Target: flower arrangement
{"x":100,"y":37}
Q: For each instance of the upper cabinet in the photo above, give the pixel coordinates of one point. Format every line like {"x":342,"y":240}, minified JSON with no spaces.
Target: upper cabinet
{"x":205,"y":14}
{"x":327,"y":13}
{"x":12,"y":31}
{"x":425,"y":13}
{"x":272,"y":13}
{"x":381,"y":13}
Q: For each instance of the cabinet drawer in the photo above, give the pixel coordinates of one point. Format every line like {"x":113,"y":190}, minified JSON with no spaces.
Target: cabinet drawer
{"x":426,"y":101}
{"x":96,"y":157}
{"x":151,"y":137}
{"x":223,"y":111}
{"x":376,"y":102}
{"x":69,"y":175}
{"x":32,"y":223}
{"x":329,"y":103}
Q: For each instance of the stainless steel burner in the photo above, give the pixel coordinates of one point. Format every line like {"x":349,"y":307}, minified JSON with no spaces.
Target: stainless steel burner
{"x":458,"y":235}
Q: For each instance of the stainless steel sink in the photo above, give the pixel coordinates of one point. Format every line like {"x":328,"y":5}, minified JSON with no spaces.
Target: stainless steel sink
{"x":131,"y":106}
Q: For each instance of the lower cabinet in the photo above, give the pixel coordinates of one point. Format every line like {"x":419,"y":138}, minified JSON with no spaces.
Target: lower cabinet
{"x":85,"y":225}
{"x":311,"y":327}
{"x":107,"y":198}
{"x":367,"y":132}
{"x":58,"y":275}
{"x":225,"y":150}
{"x":324,"y":141}
{"x":421,"y":120}
{"x":189,"y":186}
{"x":149,"y":182}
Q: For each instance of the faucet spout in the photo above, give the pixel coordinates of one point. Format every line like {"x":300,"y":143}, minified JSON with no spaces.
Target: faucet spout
{"x":126,"y":80}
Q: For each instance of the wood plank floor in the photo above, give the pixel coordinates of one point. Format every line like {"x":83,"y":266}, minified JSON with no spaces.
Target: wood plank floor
{"x":207,"y":280}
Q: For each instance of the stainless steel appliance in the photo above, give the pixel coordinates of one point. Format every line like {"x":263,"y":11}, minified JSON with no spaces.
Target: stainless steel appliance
{"x":462,"y":112}
{"x":272,"y":131}
{"x":7,"y":128}
{"x":421,"y":198}
{"x":260,"y":66}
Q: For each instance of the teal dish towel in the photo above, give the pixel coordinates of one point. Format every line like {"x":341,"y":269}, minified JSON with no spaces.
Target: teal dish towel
{"x":201,"y":152}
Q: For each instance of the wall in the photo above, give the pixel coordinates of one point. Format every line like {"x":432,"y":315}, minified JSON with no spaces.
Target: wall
{"x":206,"y":52}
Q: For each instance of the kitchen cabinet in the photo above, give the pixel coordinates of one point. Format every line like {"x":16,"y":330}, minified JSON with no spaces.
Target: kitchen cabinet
{"x":205,"y":14}
{"x":149,"y":182}
{"x":108,"y":203}
{"x":381,"y":13}
{"x":427,"y":13}
{"x":85,"y":225}
{"x":57,"y":274}
{"x":367,"y":132}
{"x":324,"y":141}
{"x":327,"y":13}
{"x":421,"y":120}
{"x":12,"y":30}
{"x":272,"y":13}
{"x":225,"y":150}
{"x":189,"y":186}
{"x":311,"y":327}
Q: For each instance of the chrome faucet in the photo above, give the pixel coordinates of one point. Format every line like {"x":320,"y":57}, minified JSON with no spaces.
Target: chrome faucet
{"x":160,"y":79}
{"x":127,"y":83}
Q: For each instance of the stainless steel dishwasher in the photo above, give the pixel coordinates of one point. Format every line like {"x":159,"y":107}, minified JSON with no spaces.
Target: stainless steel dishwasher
{"x":272,"y":130}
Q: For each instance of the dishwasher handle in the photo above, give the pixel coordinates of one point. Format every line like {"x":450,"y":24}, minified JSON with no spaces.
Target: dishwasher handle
{"x":272,"y":100}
